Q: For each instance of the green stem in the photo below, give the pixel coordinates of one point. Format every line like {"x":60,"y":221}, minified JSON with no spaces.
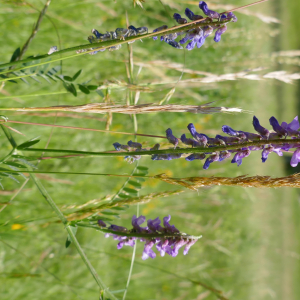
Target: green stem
{"x":17,"y":77}
{"x":170,"y":151}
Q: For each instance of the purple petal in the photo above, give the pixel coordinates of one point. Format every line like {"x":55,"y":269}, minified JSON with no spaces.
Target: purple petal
{"x":261,"y":130}
{"x":219,"y":32}
{"x":188,"y":246}
{"x":191,"y":45}
{"x":295,"y":158}
{"x":277,"y":128}
{"x":207,"y":12}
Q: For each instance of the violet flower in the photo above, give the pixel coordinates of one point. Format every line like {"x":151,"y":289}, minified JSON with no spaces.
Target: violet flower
{"x":210,"y":159}
{"x":261,"y":130}
{"x":292,"y":128}
{"x":191,"y":15}
{"x":265,"y":153}
{"x":171,"y":138}
{"x":178,"y":19}
{"x":239,"y":156}
{"x":277,"y":128}
{"x":201,"y":138}
{"x":163,"y":27}
{"x":295,"y":158}
{"x":208,"y":12}
{"x":194,"y":156}
{"x":219,"y":32}
{"x":134,"y":145}
{"x":233,"y":16}
{"x":189,"y":142}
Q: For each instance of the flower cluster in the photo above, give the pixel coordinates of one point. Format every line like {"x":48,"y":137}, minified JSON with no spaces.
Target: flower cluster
{"x":197,"y":36}
{"x":119,"y":33}
{"x":167,"y":238}
{"x":236,"y":139}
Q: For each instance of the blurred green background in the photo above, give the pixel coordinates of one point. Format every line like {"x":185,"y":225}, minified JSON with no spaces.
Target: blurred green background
{"x":250,"y":247}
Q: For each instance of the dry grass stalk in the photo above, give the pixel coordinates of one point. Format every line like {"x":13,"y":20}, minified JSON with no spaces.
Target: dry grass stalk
{"x":97,"y":205}
{"x":102,"y":108}
{"x":257,"y":181}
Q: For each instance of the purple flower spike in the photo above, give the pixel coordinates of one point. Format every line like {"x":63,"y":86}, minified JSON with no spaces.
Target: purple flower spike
{"x":219,"y":32}
{"x":208,"y":12}
{"x":277,"y":128}
{"x":233,"y":16}
{"x":189,"y":244}
{"x":171,"y":138}
{"x":261,"y":130}
{"x":295,"y":158}
{"x":265,"y":153}
{"x":210,"y":159}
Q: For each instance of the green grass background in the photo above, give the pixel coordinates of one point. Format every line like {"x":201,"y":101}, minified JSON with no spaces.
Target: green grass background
{"x":250,"y":247}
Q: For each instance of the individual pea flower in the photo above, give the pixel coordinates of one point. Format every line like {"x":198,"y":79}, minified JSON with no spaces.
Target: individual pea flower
{"x":52,"y":50}
{"x":132,"y":158}
{"x":137,"y":31}
{"x":171,"y":138}
{"x":179,"y":19}
{"x":210,"y":13}
{"x":265,"y":153}
{"x":122,"y":33}
{"x":219,"y":32}
{"x":292,"y":128}
{"x":277,"y":128}
{"x":232,"y":16}
{"x":101,"y":223}
{"x":228,"y":140}
{"x":195,"y":156}
{"x":134,"y":145}
{"x":136,"y":222}
{"x":224,"y":155}
{"x":238,"y":157}
{"x":163,"y":27}
{"x":215,"y":141}
{"x":261,"y":130}
{"x":174,"y":155}
{"x":173,"y":43}
{"x":210,"y":159}
{"x":191,"y":15}
{"x":169,"y":228}
{"x":295,"y":158}
{"x":160,"y":157}
{"x":201,"y":138}
{"x":120,"y":147}
{"x":189,"y":142}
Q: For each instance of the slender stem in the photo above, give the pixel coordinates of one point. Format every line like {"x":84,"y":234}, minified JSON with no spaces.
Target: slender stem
{"x":107,"y":44}
{"x":170,"y":151}
{"x":35,"y":30}
{"x":17,"y":77}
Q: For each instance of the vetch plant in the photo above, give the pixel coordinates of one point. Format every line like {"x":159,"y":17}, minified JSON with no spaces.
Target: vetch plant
{"x":166,"y":238}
